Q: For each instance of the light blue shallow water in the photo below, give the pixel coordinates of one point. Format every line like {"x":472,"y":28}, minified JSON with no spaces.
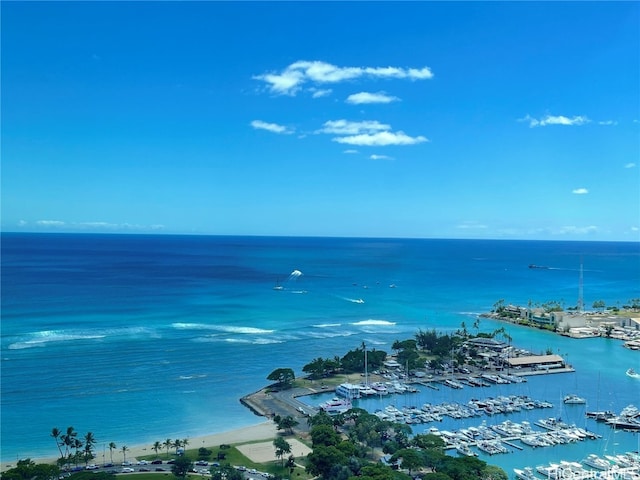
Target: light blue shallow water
{"x":141,"y":338}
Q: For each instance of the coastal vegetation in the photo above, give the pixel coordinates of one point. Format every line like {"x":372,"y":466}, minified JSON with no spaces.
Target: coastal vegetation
{"x":345,"y":447}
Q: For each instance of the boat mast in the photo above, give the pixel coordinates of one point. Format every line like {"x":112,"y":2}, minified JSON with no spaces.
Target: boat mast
{"x":581,"y":291}
{"x":366,"y":377}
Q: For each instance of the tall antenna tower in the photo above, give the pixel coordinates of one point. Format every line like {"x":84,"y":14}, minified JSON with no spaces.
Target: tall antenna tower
{"x":581,"y":290}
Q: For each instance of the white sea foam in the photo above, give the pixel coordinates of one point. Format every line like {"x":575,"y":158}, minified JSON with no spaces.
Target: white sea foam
{"x":326,"y":325}
{"x":41,"y":339}
{"x":221,"y":328}
{"x":373,"y":322}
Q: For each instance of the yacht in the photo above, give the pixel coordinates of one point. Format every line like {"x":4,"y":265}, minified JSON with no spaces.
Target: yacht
{"x":348,"y":390}
{"x":594,"y":461}
{"x":336,"y":405}
{"x":525,"y":474}
{"x":573,"y":399}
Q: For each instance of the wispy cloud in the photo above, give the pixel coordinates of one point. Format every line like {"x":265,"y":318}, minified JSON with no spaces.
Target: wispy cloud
{"x":345,"y":127}
{"x":630,"y":165}
{"x":574,"y":230}
{"x":350,"y":151}
{"x":381,"y":139}
{"x":367,"y":97}
{"x":471,"y":225}
{"x":290,"y":80}
{"x":58,"y":224}
{"x":320,"y":92}
{"x":607,"y":122}
{"x":580,"y":191}
{"x":380,"y":157}
{"x":555,"y":120}
{"x":271,"y":127}
{"x":368,"y":133}
{"x":50,"y":223}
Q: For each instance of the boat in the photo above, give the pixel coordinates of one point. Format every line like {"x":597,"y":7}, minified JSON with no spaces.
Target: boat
{"x":336,"y":405}
{"x":525,"y":474}
{"x":533,"y":265}
{"x":594,"y":461}
{"x":573,"y":399}
{"x":463,"y":449}
{"x":348,"y":390}
{"x":632,"y":373}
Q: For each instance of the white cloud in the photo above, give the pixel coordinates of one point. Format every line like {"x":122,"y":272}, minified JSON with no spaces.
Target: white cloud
{"x":630,"y":165}
{"x":50,"y":223}
{"x":318,"y":93}
{"x":271,"y":127}
{"x":380,"y":157}
{"x":555,"y":120}
{"x":290,"y":80}
{"x":350,"y":151}
{"x":573,"y":230}
{"x":607,"y":122}
{"x":381,"y":139}
{"x":580,"y":191}
{"x":367,"y":97}
{"x":471,"y":225}
{"x":345,"y":127}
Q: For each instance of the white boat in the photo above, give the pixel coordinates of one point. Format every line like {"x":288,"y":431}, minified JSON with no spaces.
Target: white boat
{"x":525,"y":474}
{"x":573,"y":399}
{"x":594,"y":461}
{"x":348,"y":390}
{"x":632,"y":373}
{"x":336,"y":405}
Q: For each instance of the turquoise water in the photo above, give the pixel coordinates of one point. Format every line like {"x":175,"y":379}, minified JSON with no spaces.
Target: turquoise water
{"x":139,"y":338}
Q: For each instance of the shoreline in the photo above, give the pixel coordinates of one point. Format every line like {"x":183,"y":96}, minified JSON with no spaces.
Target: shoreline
{"x":265,"y":430}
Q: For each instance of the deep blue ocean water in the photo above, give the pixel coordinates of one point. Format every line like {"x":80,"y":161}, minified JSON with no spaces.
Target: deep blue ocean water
{"x":140,"y":338}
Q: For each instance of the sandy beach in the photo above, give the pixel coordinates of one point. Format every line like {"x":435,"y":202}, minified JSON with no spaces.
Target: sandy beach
{"x":254,"y":433}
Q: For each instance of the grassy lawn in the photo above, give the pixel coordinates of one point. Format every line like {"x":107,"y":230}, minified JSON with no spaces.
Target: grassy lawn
{"x":232,"y":456}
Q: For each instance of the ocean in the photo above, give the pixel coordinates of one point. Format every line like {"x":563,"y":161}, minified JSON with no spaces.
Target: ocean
{"x":140,"y":338}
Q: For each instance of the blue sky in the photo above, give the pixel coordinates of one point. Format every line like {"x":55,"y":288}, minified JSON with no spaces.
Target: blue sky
{"x":372,"y":119}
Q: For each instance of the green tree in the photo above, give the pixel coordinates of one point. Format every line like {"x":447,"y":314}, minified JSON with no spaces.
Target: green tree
{"x":168,"y":443}
{"x":410,"y":459}
{"x":28,"y":470}
{"x":282,"y":448}
{"x":112,"y":447}
{"x":89,"y":442}
{"x":124,"y":449}
{"x":323,"y":458}
{"x":491,"y":472}
{"x":283,"y":376}
{"x":324,"y":435}
{"x":225,"y":472}
{"x":315,"y":368}
{"x":156,"y":446}
{"x":55,"y":433}
{"x":599,"y":305}
{"x":182,"y":466}
{"x":286,"y":423}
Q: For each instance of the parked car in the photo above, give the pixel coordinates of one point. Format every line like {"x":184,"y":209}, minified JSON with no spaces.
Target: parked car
{"x":156,"y":462}
{"x":128,"y":470}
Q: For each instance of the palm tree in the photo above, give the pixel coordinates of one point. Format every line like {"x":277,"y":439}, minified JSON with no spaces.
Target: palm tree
{"x":177,"y":443}
{"x":185,"y":442}
{"x":112,"y":447}
{"x":168,"y":443}
{"x":156,"y":446}
{"x":124,"y":453}
{"x":89,"y":442}
{"x":68,"y":441}
{"x":55,"y":433}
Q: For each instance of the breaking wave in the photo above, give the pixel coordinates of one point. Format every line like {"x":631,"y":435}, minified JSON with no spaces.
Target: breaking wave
{"x":370,"y":322}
